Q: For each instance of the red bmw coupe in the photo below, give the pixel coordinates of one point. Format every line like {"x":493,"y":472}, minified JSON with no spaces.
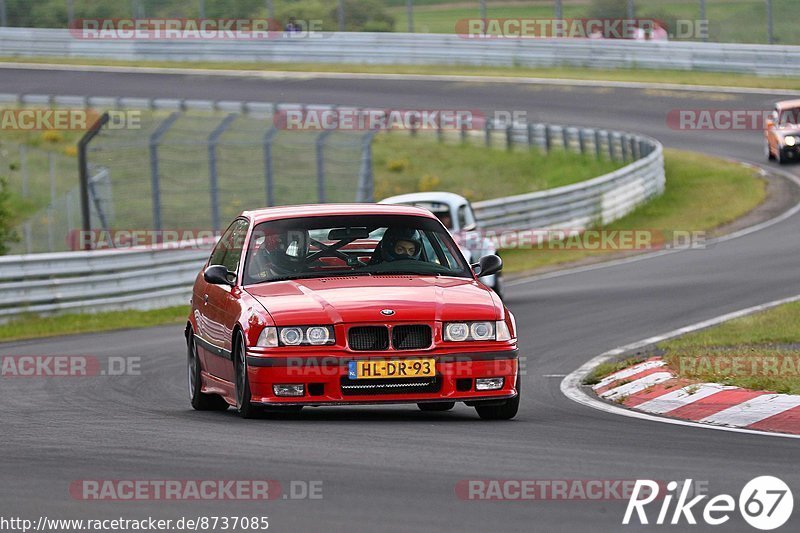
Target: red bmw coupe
{"x":348,"y":304}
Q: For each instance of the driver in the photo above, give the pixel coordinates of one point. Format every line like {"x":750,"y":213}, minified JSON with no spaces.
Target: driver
{"x":401,"y":243}
{"x":282,"y":254}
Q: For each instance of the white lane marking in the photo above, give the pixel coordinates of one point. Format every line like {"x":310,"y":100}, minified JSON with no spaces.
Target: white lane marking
{"x":680,"y":397}
{"x":628,"y":372}
{"x":754,"y":410}
{"x":571,"y":385}
{"x":283,"y":74}
{"x":643,"y":257}
{"x":637,"y":385}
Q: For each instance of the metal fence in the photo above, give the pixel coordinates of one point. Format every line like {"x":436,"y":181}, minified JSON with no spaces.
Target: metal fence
{"x":148,"y":278}
{"x":422,"y":49}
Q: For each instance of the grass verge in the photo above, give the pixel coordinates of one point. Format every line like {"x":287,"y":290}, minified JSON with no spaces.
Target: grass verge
{"x":679,"y":77}
{"x":759,"y":352}
{"x":36,"y":327}
{"x":404,"y":164}
{"x":702,"y":193}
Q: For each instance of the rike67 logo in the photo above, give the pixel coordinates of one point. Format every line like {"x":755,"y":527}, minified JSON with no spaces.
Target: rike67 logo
{"x":765,"y":503}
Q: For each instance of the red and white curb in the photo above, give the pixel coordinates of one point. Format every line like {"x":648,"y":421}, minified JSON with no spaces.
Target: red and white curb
{"x":701,"y":405}
{"x":651,"y":387}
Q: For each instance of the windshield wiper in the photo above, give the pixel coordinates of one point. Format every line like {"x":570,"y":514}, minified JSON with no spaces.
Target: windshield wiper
{"x":311,"y":275}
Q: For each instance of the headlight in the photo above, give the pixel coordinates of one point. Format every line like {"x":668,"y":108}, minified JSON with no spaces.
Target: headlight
{"x":317,"y":335}
{"x":291,"y":336}
{"x":473,"y":331}
{"x":306,"y":336}
{"x":482,"y":331}
{"x":790,"y":140}
{"x":268,"y":337}
{"x":456,"y":331}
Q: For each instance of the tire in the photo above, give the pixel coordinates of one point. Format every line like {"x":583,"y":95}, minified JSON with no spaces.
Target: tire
{"x":436,"y":406}
{"x":782,"y":159}
{"x":243,"y":404}
{"x":768,"y":152}
{"x":200,"y":400}
{"x":504,"y":411}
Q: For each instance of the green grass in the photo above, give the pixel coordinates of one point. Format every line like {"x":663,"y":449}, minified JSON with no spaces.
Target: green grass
{"x":35,"y":327}
{"x":740,"y":21}
{"x":702,"y":193}
{"x":405,"y":164}
{"x":679,"y":77}
{"x":769,"y":337}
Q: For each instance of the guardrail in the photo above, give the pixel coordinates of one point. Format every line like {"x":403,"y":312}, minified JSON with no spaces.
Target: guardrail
{"x":419,"y":48}
{"x":579,"y":206}
{"x":147,"y":278}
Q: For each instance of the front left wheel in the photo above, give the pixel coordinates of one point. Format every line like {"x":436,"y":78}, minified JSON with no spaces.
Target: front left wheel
{"x":243,"y":404}
{"x":200,"y":400}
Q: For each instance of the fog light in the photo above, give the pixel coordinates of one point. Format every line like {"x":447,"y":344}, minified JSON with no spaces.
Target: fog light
{"x":489,"y":383}
{"x":289,"y":389}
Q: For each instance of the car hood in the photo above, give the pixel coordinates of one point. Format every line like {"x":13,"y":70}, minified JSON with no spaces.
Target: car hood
{"x":361,"y":299}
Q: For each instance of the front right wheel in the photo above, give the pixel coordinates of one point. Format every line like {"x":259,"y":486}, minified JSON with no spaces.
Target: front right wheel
{"x":502,"y":411}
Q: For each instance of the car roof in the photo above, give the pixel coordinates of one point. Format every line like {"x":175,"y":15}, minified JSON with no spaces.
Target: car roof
{"x":449,"y":198}
{"x":321,"y":210}
{"x":788,"y":104}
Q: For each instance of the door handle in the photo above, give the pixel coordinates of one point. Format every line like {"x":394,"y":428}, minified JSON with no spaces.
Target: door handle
{"x":205,"y":298}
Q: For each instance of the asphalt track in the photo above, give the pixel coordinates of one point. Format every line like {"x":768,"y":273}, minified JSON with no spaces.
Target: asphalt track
{"x":395,"y":468}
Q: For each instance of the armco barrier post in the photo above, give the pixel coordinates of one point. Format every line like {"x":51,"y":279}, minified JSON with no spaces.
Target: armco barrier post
{"x":598,"y":144}
{"x":213,"y":141}
{"x":155,"y":181}
{"x":23,"y":167}
{"x":83,"y":170}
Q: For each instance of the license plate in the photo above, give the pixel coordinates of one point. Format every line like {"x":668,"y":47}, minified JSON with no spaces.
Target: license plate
{"x":405,"y":368}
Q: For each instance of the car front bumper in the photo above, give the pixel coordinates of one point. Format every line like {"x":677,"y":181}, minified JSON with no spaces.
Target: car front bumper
{"x":326,"y":381}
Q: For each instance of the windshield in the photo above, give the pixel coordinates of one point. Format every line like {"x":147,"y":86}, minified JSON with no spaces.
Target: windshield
{"x":347,"y":245}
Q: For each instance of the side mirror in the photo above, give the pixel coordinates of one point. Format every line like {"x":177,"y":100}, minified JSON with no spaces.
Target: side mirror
{"x":219,"y":275}
{"x":488,"y":265}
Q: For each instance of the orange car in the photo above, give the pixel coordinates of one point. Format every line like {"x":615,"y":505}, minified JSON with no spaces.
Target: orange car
{"x":782,"y":132}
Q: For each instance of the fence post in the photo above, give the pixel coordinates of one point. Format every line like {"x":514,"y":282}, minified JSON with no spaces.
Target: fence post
{"x":321,"y":165}
{"x":269,"y":179}
{"x":510,"y":137}
{"x":623,"y":144}
{"x":582,"y":140}
{"x":598,"y":144}
{"x":83,"y":171}
{"x":155,"y":177}
{"x":487,"y":132}
{"x":529,"y":130}
{"x":565,"y":137}
{"x":366,"y":185}
{"x":611,"y":151}
{"x":51,"y":160}
{"x":548,"y":141}
{"x":213,"y":140}
{"x":410,"y":15}
{"x":23,"y":164}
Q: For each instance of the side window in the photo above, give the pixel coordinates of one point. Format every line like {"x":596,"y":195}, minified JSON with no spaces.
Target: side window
{"x":228,"y":251}
{"x":465,"y":216}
